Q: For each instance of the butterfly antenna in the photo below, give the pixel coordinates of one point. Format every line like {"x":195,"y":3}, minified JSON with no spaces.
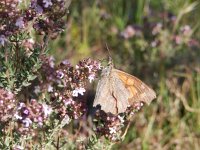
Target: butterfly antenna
{"x":109,"y":57}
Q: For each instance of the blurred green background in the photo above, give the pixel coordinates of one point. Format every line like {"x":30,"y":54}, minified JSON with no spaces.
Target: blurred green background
{"x":155,"y":40}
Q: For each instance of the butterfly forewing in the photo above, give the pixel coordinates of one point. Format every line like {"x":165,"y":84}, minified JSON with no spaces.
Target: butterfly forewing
{"x":104,"y":97}
{"x":111,"y":93}
{"x":138,"y":91}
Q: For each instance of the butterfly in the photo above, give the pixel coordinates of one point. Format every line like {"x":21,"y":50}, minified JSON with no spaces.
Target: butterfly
{"x":117,"y":90}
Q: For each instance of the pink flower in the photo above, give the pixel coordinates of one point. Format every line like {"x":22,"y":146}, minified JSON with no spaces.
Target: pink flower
{"x":128,"y":32}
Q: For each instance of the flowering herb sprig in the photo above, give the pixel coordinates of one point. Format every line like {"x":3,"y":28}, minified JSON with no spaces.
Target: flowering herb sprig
{"x":112,"y":126}
{"x":7,"y":105}
{"x":71,"y":83}
{"x":35,"y":94}
{"x":45,"y":16}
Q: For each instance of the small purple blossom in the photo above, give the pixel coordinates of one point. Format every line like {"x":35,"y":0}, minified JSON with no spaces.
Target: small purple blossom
{"x":20,"y":22}
{"x":128,"y":32}
{"x":2,"y":40}
{"x":60,"y":74}
{"x":26,"y":112}
{"x":66,"y":63}
{"x":47,"y":3}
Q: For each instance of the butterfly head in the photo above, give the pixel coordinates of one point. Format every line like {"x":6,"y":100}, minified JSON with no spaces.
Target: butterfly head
{"x":107,"y":70}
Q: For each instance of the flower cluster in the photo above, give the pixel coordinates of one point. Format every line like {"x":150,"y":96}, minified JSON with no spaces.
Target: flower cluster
{"x":45,"y":16}
{"x":31,"y":114}
{"x":66,"y":85}
{"x":52,"y":11}
{"x":158,"y":32}
{"x":11,"y":21}
{"x":110,"y":125}
{"x":77,"y":77}
{"x":7,"y":105}
{"x":71,"y":83}
{"x":131,"y":31}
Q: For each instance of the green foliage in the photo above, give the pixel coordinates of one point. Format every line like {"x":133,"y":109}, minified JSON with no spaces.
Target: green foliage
{"x":18,"y":66}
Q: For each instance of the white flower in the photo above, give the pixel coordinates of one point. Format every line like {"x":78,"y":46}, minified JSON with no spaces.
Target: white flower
{"x":37,"y":89}
{"x":31,"y":41}
{"x":47,"y":3}
{"x":91,"y":77}
{"x":121,"y":119}
{"x":20,"y":22}
{"x":90,"y":67}
{"x":68,"y":101}
{"x":20,"y":106}
{"x":77,"y":67}
{"x":52,"y":64}
{"x":1,"y":101}
{"x":18,"y":147}
{"x":78,"y":91}
{"x":2,"y":39}
{"x":50,"y":88}
{"x":47,"y":110}
{"x":113,"y":130}
{"x":17,"y":116}
{"x":27,"y":122}
{"x":99,"y":66}
{"x":66,"y":120}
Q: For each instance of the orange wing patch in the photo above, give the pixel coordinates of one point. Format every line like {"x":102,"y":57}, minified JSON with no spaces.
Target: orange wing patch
{"x":139,"y":91}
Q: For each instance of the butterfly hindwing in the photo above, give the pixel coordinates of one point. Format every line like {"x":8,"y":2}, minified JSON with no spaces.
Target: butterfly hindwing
{"x":138,"y":91}
{"x":120,"y":93}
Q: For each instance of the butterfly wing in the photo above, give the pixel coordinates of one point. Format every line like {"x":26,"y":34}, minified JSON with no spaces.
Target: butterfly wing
{"x":138,"y":91}
{"x":111,"y":93}
{"x":103,"y":96}
{"x":120,"y":92}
